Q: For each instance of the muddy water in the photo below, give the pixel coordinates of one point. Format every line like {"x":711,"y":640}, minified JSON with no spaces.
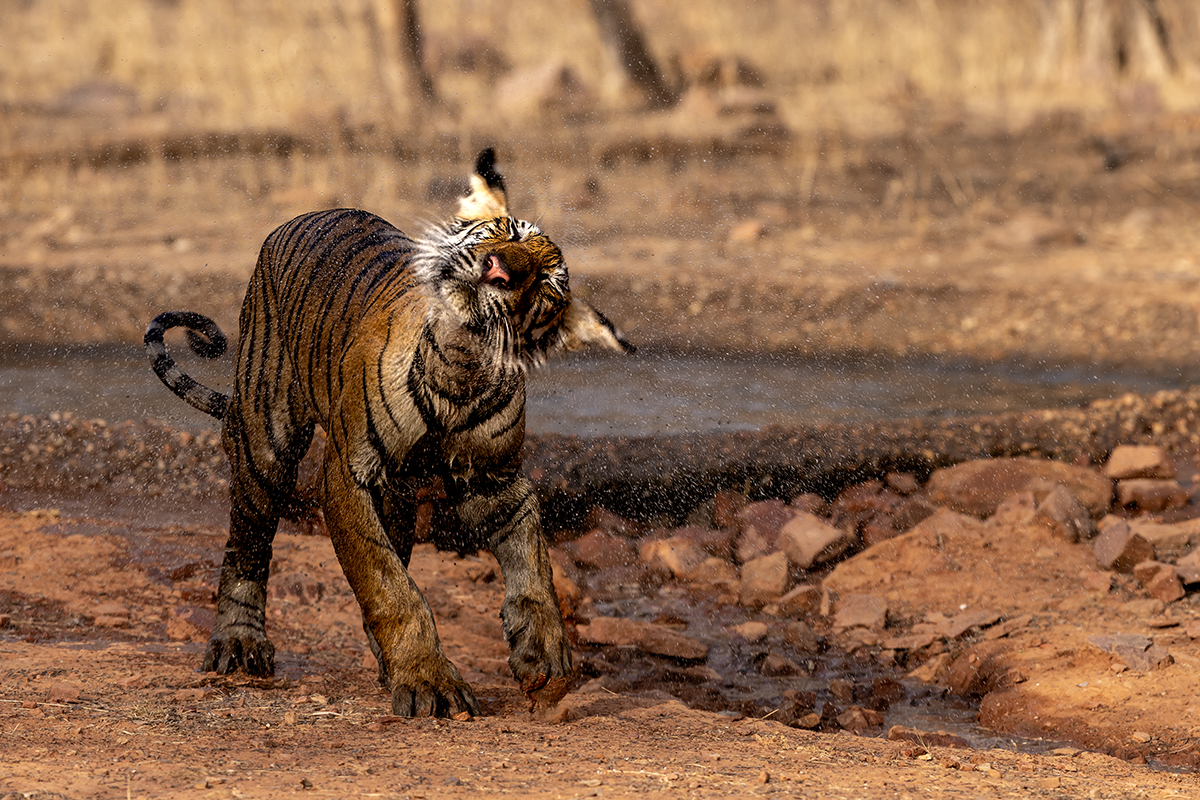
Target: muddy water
{"x":648,"y":394}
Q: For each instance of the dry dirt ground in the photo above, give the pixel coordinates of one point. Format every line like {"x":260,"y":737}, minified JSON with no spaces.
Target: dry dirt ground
{"x":1066,"y":240}
{"x":100,"y":695}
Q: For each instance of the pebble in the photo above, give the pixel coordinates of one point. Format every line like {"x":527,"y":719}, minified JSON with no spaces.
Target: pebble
{"x":599,"y":550}
{"x":860,"y":611}
{"x":978,"y":487}
{"x":1119,"y":548}
{"x":645,"y":636}
{"x":764,"y":579}
{"x":1149,"y":494}
{"x":1139,"y":461}
{"x":808,"y":541}
{"x":753,"y":631}
{"x":758,"y":528}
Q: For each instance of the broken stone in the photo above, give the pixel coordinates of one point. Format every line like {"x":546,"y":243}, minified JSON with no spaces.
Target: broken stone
{"x":777,"y":666}
{"x":752,"y":631}
{"x":716,"y":573}
{"x":1139,"y":461}
{"x":902,"y":482}
{"x":900,"y":733}
{"x":911,"y":641}
{"x":601,"y":519}
{"x":1118,"y":548}
{"x":1174,"y":538}
{"x":857,"y":719}
{"x":1188,"y":567}
{"x":808,"y":540}
{"x":1064,"y":515}
{"x":716,"y":542}
{"x":764,"y":580}
{"x":758,"y":528}
{"x":933,"y":670}
{"x":799,"y":637}
{"x":978,"y":670}
{"x":801,"y":601}
{"x":860,"y":611}
{"x":959,"y":624}
{"x":676,"y":556}
{"x":1165,"y":585}
{"x":726,"y":505}
{"x":597,"y":550}
{"x":64,"y":692}
{"x":646,"y":636}
{"x":1135,"y":651}
{"x":809,"y":503}
{"x":1148,"y":494}
{"x":978,"y":487}
{"x":842,"y":689}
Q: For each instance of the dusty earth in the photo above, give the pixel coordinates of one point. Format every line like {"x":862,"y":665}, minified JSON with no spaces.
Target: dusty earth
{"x":1063,"y":239}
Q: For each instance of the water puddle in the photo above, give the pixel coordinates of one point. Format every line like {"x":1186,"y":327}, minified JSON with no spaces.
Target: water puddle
{"x":652,"y":393}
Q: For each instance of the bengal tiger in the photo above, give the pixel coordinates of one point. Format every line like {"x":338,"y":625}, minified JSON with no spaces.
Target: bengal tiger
{"x":411,"y":354}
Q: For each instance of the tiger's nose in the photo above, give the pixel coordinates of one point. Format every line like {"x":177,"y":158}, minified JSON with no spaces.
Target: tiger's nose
{"x":494,"y":272}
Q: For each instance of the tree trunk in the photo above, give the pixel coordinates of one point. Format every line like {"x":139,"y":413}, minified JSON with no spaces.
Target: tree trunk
{"x":412,"y":49}
{"x":623,"y":38}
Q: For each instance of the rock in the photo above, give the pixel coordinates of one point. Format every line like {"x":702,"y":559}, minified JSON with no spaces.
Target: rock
{"x":717,"y":574}
{"x":886,"y":691}
{"x":801,"y":601}
{"x":1118,"y":548}
{"x":1095,"y":581}
{"x":597,"y":550}
{"x":776,"y":666}
{"x":764,"y":580}
{"x":842,"y":689}
{"x":1064,"y":515}
{"x":808,"y":540}
{"x":1174,"y":538}
{"x":910,"y":512}
{"x":1139,"y":461}
{"x":899,"y":733}
{"x":190,"y":624}
{"x":959,"y":624}
{"x":857,"y":719}
{"x":879,"y":530}
{"x":64,"y":692}
{"x":796,"y":706}
{"x":799,"y":637}
{"x":978,"y":487}
{"x":758,"y":528}
{"x":977,"y":670}
{"x":902,"y":482}
{"x":716,"y":542}
{"x":934,"y":670}
{"x":1135,"y":651}
{"x":1164,"y":584}
{"x":550,"y":87}
{"x":809,"y":502}
{"x":600,"y":518}
{"x":726,"y":506}
{"x":753,"y":631}
{"x":1188,"y":567}
{"x":1149,"y":494}
{"x":860,"y":611}
{"x":646,"y":636}
{"x":677,"y":556}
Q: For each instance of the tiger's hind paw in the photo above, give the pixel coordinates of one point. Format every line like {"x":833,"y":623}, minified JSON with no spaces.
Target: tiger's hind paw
{"x":452,"y":700}
{"x":226,"y":652}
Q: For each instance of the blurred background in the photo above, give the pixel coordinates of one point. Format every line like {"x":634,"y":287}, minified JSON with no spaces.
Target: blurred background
{"x":976,"y":182}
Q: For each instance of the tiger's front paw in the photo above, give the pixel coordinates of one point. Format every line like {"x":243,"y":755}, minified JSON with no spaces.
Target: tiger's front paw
{"x":227,"y":651}
{"x":437,"y":691}
{"x":541,"y":653}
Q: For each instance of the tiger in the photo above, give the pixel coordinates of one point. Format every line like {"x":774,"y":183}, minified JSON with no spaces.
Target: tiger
{"x":411,"y":353}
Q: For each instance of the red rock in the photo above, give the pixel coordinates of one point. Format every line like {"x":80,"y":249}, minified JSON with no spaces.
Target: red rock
{"x":879,"y":530}
{"x":801,"y":601}
{"x":677,"y":556}
{"x":1165,"y":585}
{"x":600,"y":518}
{"x":716,"y":542}
{"x":645,"y":636}
{"x":777,"y":666}
{"x":64,"y":692}
{"x":857,"y":719}
{"x":910,"y":512}
{"x":978,"y":670}
{"x":599,"y":550}
{"x":758,"y":528}
{"x":1064,"y":516}
{"x":1118,"y":548}
{"x":1139,"y":461}
{"x":1148,"y":494}
{"x":716,"y":573}
{"x":842,"y":689}
{"x":808,"y":540}
{"x":860,"y":611}
{"x":726,"y":505}
{"x":1098,"y":581}
{"x":764,"y":580}
{"x":978,"y":487}
{"x":1188,"y":567}
{"x":809,"y":502}
{"x":752,"y":631}
{"x":902,"y":482}
{"x":799,"y":637}
{"x":1137,"y":652}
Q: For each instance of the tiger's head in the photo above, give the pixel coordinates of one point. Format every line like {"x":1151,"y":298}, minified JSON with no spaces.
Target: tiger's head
{"x":502,"y":276}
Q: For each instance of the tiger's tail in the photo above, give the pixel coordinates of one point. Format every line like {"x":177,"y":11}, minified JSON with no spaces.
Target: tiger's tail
{"x":205,"y":339}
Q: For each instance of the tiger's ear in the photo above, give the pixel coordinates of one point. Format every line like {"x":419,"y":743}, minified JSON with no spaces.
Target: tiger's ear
{"x":487,"y":198}
{"x":581,"y":325}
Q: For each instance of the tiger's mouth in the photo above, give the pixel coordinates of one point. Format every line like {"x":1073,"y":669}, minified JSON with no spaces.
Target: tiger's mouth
{"x":494,"y":273}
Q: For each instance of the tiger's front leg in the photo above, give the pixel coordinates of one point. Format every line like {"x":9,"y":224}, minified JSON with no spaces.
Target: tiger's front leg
{"x":508,"y":515}
{"x":422,"y":681}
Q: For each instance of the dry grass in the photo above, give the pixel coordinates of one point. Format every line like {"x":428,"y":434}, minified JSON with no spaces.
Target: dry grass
{"x":233,"y":64}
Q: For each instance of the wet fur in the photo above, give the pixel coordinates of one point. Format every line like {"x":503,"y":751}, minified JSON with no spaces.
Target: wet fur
{"x":412,"y":355}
